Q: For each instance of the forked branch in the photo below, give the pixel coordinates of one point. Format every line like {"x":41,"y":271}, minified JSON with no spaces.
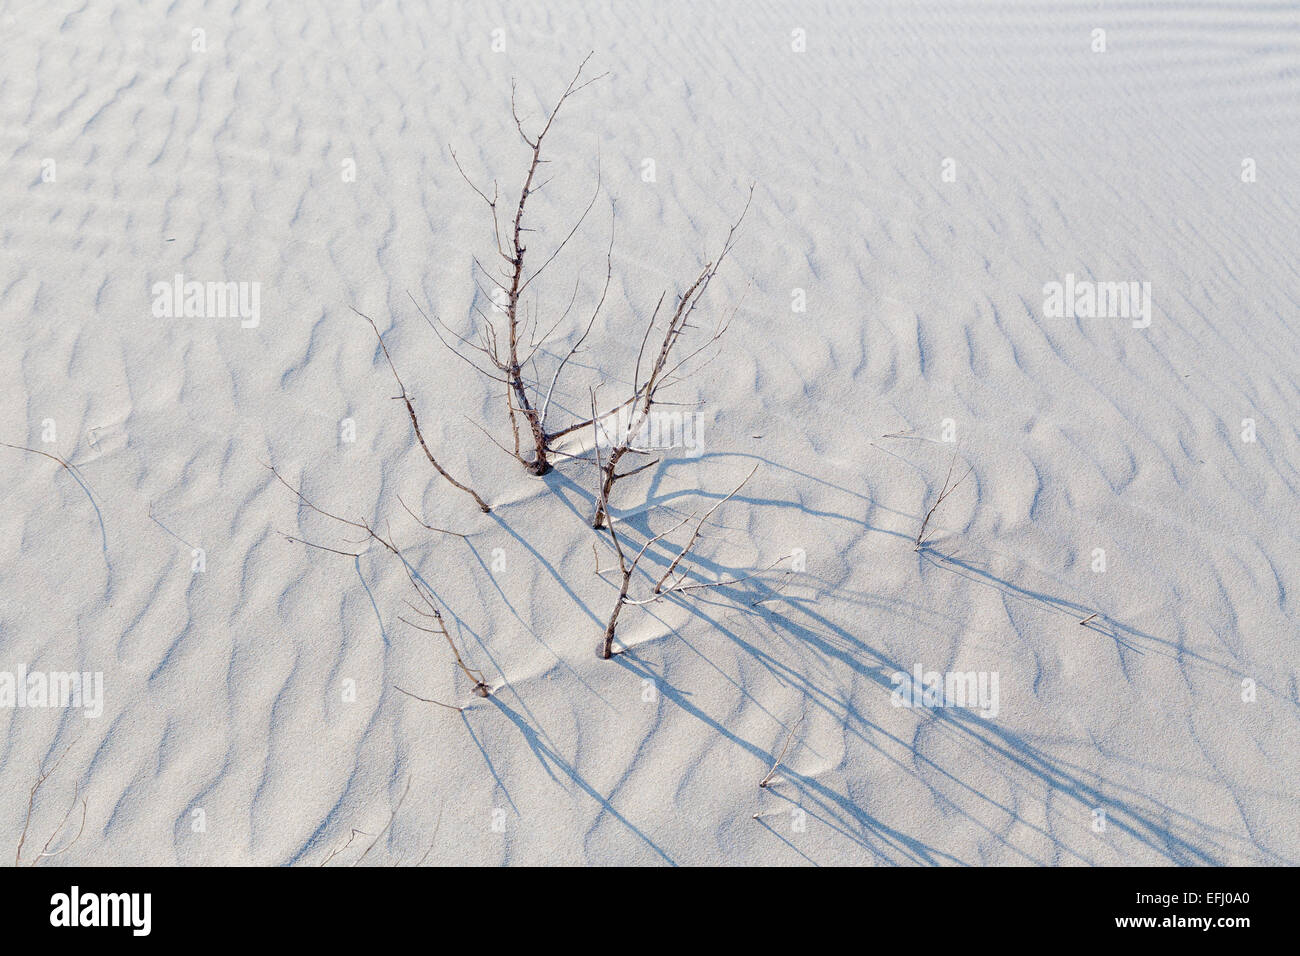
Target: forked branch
{"x":663,"y":372}
{"x":45,"y":851}
{"x":627,"y":566}
{"x":427,"y":609}
{"x":502,"y":352}
{"x":949,"y":486}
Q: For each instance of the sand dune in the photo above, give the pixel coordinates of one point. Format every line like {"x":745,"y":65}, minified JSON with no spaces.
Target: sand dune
{"x":250,"y":710}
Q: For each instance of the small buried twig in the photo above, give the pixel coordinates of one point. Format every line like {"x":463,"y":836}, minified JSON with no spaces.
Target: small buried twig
{"x":428,"y":700}
{"x":425,"y":524}
{"x":36,"y":451}
{"x":430,"y":612}
{"x":77,"y":476}
{"x":944,"y":492}
{"x":436,"y":827}
{"x":45,"y":852}
{"x":333,"y":853}
{"x":389,"y":824}
{"x":771,"y":773}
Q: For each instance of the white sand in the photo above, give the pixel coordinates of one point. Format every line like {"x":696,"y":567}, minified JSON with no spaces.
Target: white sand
{"x":224,"y":690}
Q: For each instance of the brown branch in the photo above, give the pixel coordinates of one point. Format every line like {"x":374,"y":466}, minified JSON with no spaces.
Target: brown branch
{"x":507,"y":361}
{"x":664,"y":368}
{"x":426,"y":524}
{"x":431,"y":611}
{"x":391,"y":818}
{"x":333,"y":853}
{"x":565,"y":241}
{"x":359,"y":525}
{"x":609,"y":274}
{"x":436,"y":827}
{"x":77,"y":476}
{"x":427,"y":700}
{"x":944,"y":492}
{"x":659,"y":585}
{"x":627,"y":568}
{"x":31,"y":805}
{"x":768,"y":779}
{"x":415,"y":422}
{"x":320,"y":547}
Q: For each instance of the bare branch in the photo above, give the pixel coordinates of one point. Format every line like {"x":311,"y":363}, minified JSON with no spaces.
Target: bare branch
{"x":507,"y":359}
{"x":415,"y":422}
{"x":576,"y":226}
{"x":609,"y":274}
{"x":31,"y":806}
{"x":391,"y":818}
{"x":768,"y":779}
{"x":427,"y":700}
{"x":426,"y":596}
{"x":944,"y":492}
{"x":659,"y":585}
{"x":628,"y":568}
{"x":425,"y":524}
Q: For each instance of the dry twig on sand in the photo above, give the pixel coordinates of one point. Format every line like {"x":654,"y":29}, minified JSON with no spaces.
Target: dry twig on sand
{"x":505,"y":349}
{"x":667,"y":369}
{"x":427,"y":609}
{"x":948,"y":488}
{"x":771,"y":773}
{"x":502,"y":355}
{"x":662,"y":587}
{"x":415,"y":424}
{"x":379,"y":836}
{"x":45,"y":852}
{"x":77,"y":476}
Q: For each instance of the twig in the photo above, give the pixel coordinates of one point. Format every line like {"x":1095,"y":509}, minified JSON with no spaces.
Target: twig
{"x":415,"y":422}
{"x":768,"y":779}
{"x":436,"y":827}
{"x":944,"y":492}
{"x":659,"y":585}
{"x":430,"y":612}
{"x":31,"y":805}
{"x":505,"y":357}
{"x":78,"y":477}
{"x":425,"y":524}
{"x":387,"y":825}
{"x":333,"y":853}
{"x":427,"y":700}
{"x":663,"y":371}
{"x":627,"y":567}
